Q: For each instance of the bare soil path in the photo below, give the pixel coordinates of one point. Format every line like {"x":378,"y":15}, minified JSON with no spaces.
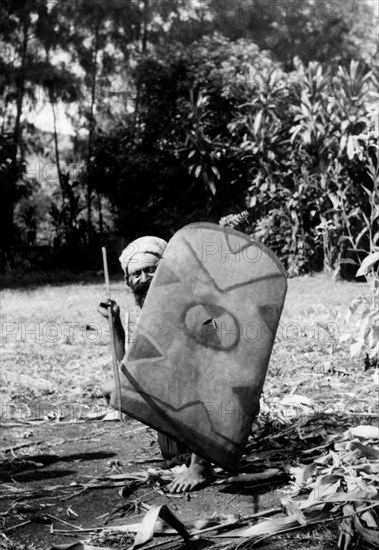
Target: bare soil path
{"x":74,"y":454}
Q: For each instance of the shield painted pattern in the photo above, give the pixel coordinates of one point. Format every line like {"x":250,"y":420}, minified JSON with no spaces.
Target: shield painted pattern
{"x":196,"y":366}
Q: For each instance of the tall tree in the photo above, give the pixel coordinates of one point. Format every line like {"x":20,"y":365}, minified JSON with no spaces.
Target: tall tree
{"x":331,"y":32}
{"x":17,"y":29}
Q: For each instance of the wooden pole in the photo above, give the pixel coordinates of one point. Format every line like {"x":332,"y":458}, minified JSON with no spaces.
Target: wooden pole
{"x":116,"y":371}
{"x":127,"y":317}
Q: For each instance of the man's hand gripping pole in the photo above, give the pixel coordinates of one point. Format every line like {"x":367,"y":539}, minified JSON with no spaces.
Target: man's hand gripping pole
{"x":116,"y":370}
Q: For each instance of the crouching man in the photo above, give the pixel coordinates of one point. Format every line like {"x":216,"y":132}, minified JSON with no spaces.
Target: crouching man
{"x":139,"y":262}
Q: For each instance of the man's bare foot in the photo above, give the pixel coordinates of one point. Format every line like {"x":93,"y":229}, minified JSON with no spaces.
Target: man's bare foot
{"x":198,"y":474}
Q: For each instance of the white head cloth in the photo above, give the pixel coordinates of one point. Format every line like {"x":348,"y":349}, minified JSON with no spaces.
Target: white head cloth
{"x":150,"y":245}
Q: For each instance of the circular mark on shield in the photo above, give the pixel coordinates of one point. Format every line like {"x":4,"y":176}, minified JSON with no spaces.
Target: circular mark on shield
{"x":212,"y":326}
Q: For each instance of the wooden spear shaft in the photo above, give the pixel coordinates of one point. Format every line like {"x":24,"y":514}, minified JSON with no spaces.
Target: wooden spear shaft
{"x":127,"y":318}
{"x":116,"y":371}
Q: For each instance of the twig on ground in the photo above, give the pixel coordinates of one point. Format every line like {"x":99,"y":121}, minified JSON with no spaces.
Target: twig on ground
{"x":18,"y":525}
{"x":12,"y":448}
{"x":147,"y":460}
{"x":233,"y":497}
{"x":66,"y":532}
{"x":65,"y":522}
{"x":76,"y":494}
{"x":269,"y":512}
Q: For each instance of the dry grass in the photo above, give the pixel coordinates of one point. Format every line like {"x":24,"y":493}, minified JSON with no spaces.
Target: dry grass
{"x":50,"y":356}
{"x":59,"y":351}
{"x":307,"y":358}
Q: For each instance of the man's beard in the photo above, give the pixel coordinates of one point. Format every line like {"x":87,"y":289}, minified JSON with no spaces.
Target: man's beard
{"x":139,"y":292}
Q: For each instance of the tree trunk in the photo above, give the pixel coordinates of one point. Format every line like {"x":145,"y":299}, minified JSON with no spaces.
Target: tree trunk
{"x":20,"y":94}
{"x":6,"y":103}
{"x":56,"y":147}
{"x":145,"y":24}
{"x":10,"y":189}
{"x":91,"y":131}
{"x":100,"y":206}
{"x":145,"y":33}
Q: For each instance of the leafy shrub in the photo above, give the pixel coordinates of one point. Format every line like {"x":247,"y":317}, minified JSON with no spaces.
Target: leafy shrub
{"x":363,"y":333}
{"x":221,"y":127}
{"x":276,"y":230}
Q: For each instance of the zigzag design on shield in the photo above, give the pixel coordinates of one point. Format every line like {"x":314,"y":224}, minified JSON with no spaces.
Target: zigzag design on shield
{"x":166,"y":276}
{"x":277,"y":275}
{"x":174,"y":425}
{"x":147,"y":349}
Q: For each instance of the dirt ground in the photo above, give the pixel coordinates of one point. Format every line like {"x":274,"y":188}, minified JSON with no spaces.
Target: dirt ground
{"x":70,"y":454}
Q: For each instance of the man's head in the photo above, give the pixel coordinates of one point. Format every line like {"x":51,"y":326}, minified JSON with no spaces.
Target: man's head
{"x":139,"y":260}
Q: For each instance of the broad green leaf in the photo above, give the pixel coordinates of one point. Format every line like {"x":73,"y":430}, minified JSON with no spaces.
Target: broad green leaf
{"x":367,"y":264}
{"x":212,"y":187}
{"x":347,"y":261}
{"x":350,"y":147}
{"x":257,"y":122}
{"x":216,"y":171}
{"x":197,"y":171}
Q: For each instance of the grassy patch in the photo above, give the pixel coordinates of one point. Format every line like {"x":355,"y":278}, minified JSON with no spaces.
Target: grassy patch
{"x":55,"y":347}
{"x":307,"y":358}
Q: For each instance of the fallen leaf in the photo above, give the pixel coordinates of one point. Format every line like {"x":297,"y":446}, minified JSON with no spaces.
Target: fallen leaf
{"x":370,"y":535}
{"x":101,"y":415}
{"x":79,"y":546}
{"x":274,"y":526}
{"x":354,"y":496}
{"x":364,"y":432}
{"x":292,"y":509}
{"x":214,"y":523}
{"x":346,"y":528}
{"x":368,"y":518}
{"x":147,"y":526}
{"x":293,"y":406}
{"x":249,"y":478}
{"x":110,"y":416}
{"x":302,"y":474}
{"x":364,"y":450}
{"x":325,"y":487}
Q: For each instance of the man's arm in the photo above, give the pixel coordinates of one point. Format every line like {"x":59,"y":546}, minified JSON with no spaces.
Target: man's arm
{"x":118,"y":330}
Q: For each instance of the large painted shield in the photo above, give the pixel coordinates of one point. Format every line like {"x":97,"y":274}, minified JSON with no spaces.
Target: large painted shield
{"x":196,"y":366}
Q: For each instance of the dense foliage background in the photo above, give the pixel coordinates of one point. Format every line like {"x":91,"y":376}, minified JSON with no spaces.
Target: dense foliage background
{"x":120,"y":118}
